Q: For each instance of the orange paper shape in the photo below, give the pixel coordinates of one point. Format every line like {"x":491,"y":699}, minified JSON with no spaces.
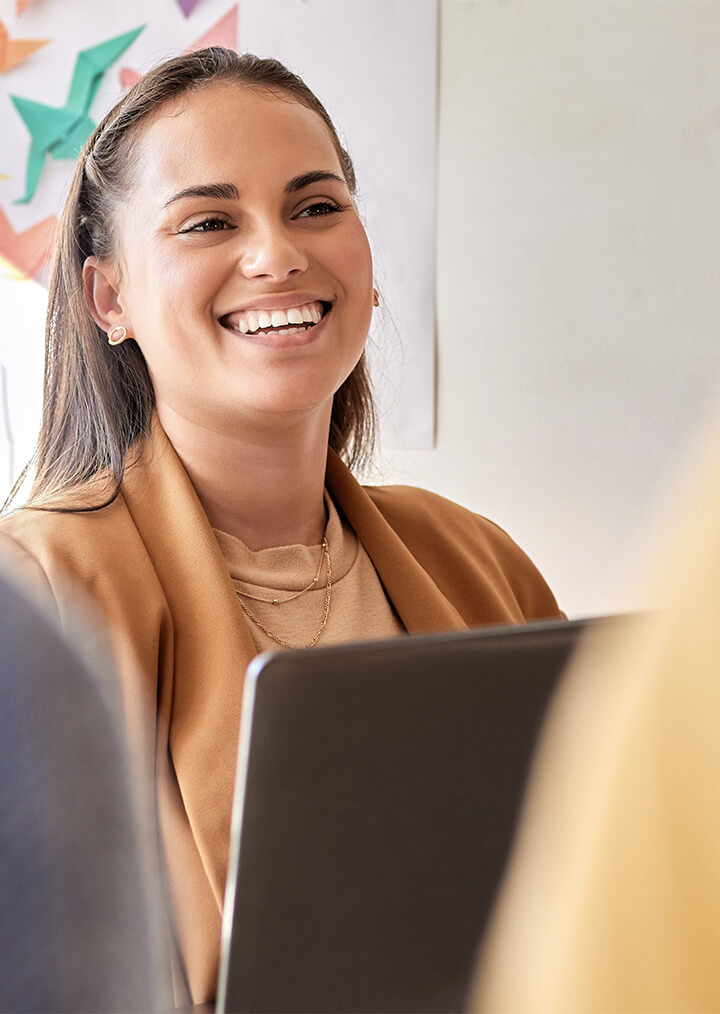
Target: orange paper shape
{"x":22,"y":5}
{"x":27,"y":251}
{"x":14,"y":51}
{"x":8,"y":270}
{"x":223,"y":33}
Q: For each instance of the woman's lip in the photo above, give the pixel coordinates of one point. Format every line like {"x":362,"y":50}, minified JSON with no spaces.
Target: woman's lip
{"x":279,"y":302}
{"x":283,"y":340}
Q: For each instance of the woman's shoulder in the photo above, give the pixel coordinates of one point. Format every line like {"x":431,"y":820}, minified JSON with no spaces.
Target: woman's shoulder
{"x":64,"y":519}
{"x":450,"y":539}
{"x":419,"y":508}
{"x":67,"y":536}
{"x":18,"y":559}
{"x":67,"y":554}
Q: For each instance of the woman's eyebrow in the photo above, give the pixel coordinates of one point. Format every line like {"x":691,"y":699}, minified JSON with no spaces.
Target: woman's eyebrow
{"x":229,"y":192}
{"x":218,"y":191}
{"x":315,"y":176}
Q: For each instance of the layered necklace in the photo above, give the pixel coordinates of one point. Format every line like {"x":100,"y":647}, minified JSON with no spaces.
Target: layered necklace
{"x":324,"y":558}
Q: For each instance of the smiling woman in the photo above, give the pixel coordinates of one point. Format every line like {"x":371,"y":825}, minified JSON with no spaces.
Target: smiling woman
{"x":205,"y":393}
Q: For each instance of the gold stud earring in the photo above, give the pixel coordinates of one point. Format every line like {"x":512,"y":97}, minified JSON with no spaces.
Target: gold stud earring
{"x":376,"y":298}
{"x":117,"y":335}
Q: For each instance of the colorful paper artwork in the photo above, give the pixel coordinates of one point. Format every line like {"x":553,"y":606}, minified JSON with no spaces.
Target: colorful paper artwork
{"x":8,"y":270}
{"x":27,"y":251}
{"x":62,"y":132}
{"x":15,"y":51}
{"x":187,"y":6}
{"x":223,"y":33}
{"x":129,"y":77}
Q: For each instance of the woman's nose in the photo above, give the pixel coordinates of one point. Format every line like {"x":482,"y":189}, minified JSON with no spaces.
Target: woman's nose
{"x":270,"y":251}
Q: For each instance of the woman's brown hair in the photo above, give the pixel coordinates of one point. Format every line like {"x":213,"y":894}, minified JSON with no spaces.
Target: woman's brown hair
{"x":98,"y":400}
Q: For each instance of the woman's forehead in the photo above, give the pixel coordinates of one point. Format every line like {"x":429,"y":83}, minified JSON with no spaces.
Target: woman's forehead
{"x":235,"y":133}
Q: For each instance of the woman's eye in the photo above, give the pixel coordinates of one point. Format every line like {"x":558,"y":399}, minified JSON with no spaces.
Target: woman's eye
{"x":207,"y":225}
{"x":319,"y":208}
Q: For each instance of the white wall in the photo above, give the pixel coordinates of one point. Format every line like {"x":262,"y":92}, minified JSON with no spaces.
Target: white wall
{"x":579,"y":243}
{"x":23,"y":305}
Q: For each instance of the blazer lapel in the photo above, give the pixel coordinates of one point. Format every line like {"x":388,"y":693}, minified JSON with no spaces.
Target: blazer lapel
{"x":420,"y":604}
{"x":205,"y":653}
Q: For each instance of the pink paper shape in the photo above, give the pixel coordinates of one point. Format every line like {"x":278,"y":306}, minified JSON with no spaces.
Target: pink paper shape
{"x":129,"y":77}
{"x":223,"y":33}
{"x":22,"y":5}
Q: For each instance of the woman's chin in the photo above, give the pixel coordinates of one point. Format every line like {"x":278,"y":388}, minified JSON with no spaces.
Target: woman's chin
{"x":288,"y":407}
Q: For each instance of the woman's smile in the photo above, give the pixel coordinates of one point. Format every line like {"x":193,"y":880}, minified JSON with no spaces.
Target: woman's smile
{"x":279,"y":318}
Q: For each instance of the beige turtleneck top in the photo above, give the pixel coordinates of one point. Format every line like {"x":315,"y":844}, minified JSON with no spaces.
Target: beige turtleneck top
{"x":359,"y":608}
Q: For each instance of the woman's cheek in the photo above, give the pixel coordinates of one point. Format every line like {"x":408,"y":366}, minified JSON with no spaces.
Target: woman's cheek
{"x":357,"y":254}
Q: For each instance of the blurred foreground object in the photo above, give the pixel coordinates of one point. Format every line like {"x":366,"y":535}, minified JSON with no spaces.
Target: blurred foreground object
{"x":612,"y":901}
{"x":79,"y":912}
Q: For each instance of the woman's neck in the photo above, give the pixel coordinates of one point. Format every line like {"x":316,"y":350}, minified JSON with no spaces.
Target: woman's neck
{"x":266,"y":488}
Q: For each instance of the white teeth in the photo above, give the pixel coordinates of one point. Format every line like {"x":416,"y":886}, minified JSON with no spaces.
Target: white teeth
{"x":254,"y":320}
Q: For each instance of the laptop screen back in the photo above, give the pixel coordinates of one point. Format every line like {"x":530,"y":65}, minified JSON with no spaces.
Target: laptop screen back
{"x":378,"y":788}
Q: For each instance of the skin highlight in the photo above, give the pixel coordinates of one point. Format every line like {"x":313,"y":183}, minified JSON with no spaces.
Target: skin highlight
{"x":217,"y":223}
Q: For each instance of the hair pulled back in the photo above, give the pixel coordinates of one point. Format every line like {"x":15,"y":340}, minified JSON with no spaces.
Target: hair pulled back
{"x":98,"y":400}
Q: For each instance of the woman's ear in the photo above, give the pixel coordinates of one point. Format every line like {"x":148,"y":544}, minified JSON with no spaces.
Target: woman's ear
{"x":101,"y":280}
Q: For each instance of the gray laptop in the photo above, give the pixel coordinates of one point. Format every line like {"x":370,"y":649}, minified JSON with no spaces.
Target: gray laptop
{"x":377,"y":791}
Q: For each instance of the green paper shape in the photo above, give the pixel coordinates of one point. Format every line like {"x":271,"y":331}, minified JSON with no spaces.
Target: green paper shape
{"x":62,"y":132}
{"x":72,"y":143}
{"x":45,"y":123}
{"x":33,"y":172}
{"x":90,"y":66}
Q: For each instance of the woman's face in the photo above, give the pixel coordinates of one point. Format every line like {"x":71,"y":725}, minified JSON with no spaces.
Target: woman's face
{"x":245,"y":273}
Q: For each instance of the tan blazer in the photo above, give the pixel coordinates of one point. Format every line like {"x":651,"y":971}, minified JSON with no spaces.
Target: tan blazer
{"x":151,"y":562}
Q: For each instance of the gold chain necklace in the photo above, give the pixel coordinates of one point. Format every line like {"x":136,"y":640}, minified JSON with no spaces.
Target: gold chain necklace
{"x":296,"y":595}
{"x":326,"y":610}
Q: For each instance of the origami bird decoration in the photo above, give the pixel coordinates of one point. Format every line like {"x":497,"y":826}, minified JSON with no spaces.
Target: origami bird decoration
{"x":14,"y":51}
{"x":62,"y":132}
{"x":187,"y":6}
{"x":223,"y":33}
{"x":27,"y":251}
